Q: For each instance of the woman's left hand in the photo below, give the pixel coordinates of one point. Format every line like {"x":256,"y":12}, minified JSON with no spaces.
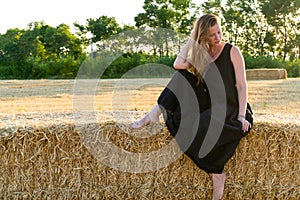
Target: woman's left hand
{"x":245,"y":124}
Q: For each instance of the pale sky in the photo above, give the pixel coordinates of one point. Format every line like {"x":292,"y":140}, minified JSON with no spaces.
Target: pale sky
{"x":19,"y":13}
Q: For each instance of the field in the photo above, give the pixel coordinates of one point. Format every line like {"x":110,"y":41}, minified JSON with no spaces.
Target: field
{"x":40,"y":101}
{"x":44,"y":155}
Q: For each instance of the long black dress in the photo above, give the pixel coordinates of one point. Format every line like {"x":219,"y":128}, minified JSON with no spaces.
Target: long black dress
{"x":203,"y":116}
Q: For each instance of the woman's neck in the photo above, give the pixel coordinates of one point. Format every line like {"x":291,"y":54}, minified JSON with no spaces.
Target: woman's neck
{"x":215,"y":50}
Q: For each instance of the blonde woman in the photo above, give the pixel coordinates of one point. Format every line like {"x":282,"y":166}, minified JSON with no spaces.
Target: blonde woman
{"x":203,"y":52}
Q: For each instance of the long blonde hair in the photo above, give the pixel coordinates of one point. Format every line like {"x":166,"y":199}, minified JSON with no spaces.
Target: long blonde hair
{"x":198,"y":54}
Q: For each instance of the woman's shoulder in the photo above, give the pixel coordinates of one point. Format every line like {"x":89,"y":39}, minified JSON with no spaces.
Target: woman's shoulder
{"x":235,"y":54}
{"x":226,"y":46}
{"x":234,"y":50}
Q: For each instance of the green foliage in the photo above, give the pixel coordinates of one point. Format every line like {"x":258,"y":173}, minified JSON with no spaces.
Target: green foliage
{"x":32,"y":69}
{"x":169,"y":14}
{"x":282,"y":16}
{"x":102,"y":27}
{"x":129,"y":61}
{"x":21,"y":71}
{"x":166,"y":60}
{"x":5,"y":72}
{"x":41,"y":51}
{"x":262,"y":62}
{"x":66,"y":67}
{"x":124,"y":63}
{"x":293,"y":68}
{"x":259,"y":27}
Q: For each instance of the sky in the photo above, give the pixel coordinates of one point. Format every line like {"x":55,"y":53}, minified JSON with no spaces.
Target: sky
{"x":19,"y":13}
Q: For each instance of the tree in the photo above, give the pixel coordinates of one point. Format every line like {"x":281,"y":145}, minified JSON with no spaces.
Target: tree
{"x":60,"y":42}
{"x":31,"y":46}
{"x":52,"y":42}
{"x":167,"y":14}
{"x":102,"y":27}
{"x":282,"y":16}
{"x":244,"y":24}
{"x":270,"y":39}
{"x":250,"y":25}
{"x":10,"y":46}
{"x":40,"y":51}
{"x":214,"y":7}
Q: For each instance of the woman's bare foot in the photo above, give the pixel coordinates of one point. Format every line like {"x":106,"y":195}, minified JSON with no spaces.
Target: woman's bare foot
{"x":142,"y":122}
{"x":151,"y":117}
{"x":218,"y":185}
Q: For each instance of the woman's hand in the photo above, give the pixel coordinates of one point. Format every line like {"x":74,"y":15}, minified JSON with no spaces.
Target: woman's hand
{"x":245,"y":124}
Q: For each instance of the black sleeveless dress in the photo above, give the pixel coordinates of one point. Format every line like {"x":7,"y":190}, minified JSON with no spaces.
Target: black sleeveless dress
{"x":203,"y":116}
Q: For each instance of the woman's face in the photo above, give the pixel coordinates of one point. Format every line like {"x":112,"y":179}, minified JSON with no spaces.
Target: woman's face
{"x":215,"y":35}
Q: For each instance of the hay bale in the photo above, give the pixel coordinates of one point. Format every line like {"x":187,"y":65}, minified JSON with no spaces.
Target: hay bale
{"x":52,"y":162}
{"x":266,"y":74}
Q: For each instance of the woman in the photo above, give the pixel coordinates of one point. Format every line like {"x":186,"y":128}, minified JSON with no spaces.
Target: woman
{"x":204,"y":51}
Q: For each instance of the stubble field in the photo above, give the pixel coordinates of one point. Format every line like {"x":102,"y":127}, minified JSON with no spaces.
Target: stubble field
{"x":34,"y":101}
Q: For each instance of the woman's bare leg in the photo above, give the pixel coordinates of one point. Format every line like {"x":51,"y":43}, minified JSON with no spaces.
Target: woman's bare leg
{"x":152,"y":116}
{"x":218,"y":185}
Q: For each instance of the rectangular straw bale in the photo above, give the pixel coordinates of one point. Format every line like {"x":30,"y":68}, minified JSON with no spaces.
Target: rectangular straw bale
{"x":51,"y":162}
{"x":266,"y":74}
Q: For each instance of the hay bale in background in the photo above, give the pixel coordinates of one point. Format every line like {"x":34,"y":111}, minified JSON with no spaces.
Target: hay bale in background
{"x":53,"y":163}
{"x":266,"y":74}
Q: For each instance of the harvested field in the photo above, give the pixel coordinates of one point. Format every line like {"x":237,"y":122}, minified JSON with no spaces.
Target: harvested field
{"x":44,"y":152}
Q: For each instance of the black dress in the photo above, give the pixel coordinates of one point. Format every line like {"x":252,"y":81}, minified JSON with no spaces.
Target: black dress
{"x":203,"y":116}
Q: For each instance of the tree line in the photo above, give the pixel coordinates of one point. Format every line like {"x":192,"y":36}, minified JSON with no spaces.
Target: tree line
{"x":267,"y":32}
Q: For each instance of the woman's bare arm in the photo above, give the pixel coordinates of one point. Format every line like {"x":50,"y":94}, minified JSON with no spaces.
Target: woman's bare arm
{"x":240,"y":76}
{"x":181,"y":60}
